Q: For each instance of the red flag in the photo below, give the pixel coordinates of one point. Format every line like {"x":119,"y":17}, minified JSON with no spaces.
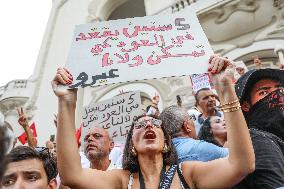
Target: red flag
{"x":23,"y":137}
{"x":78,"y":135}
{"x":33,"y":129}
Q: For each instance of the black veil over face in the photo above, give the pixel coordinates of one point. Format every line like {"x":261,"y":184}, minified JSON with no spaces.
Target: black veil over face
{"x":268,"y":114}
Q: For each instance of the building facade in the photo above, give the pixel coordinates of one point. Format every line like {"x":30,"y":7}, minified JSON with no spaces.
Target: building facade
{"x":237,"y":29}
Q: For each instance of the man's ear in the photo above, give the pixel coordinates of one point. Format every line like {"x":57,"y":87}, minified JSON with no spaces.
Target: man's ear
{"x":111,"y":145}
{"x":245,"y":106}
{"x":52,"y":184}
{"x":186,"y":127}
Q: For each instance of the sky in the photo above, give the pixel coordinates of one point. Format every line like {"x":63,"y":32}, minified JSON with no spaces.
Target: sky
{"x":23,"y":24}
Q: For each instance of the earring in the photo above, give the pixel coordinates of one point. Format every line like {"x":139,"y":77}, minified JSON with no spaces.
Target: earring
{"x":133,"y":151}
{"x":165,"y":149}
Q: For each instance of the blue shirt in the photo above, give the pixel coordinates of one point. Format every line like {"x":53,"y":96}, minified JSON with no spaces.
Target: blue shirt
{"x":197,"y":150}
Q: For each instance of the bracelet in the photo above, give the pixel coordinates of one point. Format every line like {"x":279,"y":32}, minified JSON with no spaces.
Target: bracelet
{"x":230,"y":106}
{"x":229,"y":103}
{"x":232,"y":109}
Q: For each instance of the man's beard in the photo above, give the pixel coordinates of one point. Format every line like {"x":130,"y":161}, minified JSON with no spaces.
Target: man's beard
{"x":96,"y":156}
{"x":268,"y":114}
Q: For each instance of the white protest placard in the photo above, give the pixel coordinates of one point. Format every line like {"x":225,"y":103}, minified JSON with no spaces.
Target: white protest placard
{"x":138,"y":48}
{"x":200,"y":81}
{"x":116,"y":115}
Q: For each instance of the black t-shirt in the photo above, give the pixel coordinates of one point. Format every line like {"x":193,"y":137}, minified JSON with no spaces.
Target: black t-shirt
{"x":269,"y":167}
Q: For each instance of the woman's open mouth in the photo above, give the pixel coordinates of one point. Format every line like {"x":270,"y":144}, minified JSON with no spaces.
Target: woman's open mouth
{"x":149,"y":134}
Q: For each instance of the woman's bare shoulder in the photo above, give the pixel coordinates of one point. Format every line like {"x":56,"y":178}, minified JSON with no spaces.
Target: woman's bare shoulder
{"x":122,"y":175}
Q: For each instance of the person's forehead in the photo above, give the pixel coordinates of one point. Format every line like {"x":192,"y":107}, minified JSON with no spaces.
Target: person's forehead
{"x":98,"y":130}
{"x":213,"y":118}
{"x":29,"y":165}
{"x":240,"y":68}
{"x":206,"y":93}
{"x":145,"y":118}
{"x":265,"y":83}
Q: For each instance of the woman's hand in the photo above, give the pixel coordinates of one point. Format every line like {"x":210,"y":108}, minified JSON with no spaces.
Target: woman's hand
{"x":63,"y":77}
{"x":222,"y":70}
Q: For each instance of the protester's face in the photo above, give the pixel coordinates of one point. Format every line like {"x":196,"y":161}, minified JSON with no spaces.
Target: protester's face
{"x":240,"y":70}
{"x":206,"y":100}
{"x":148,"y":135}
{"x":218,"y":126}
{"x":25,"y":174}
{"x":262,"y":88}
{"x":97,"y":144}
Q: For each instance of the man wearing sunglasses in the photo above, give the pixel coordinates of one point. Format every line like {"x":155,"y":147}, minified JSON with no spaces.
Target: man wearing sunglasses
{"x":29,"y":168}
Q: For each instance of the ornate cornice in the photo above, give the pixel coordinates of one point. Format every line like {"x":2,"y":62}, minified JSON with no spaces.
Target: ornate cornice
{"x":278,"y":3}
{"x":181,"y":5}
{"x":224,"y":12}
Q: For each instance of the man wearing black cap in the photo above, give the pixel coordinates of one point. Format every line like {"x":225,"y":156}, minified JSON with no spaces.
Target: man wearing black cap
{"x":261,"y":94}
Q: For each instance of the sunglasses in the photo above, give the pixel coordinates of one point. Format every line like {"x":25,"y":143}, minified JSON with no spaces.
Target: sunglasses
{"x":142,"y":124}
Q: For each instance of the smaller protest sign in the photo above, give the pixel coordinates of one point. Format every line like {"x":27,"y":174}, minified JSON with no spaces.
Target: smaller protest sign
{"x":200,"y":81}
{"x":116,"y":115}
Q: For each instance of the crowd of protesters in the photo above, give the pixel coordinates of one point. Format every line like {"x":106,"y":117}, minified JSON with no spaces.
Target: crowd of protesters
{"x":232,"y":137}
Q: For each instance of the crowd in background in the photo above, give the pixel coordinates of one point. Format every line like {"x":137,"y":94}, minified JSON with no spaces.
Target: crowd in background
{"x":233,"y":137}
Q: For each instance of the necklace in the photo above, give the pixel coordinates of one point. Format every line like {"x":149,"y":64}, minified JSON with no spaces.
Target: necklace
{"x":141,"y":178}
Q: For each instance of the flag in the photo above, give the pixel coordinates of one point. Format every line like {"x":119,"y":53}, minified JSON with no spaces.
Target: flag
{"x":23,"y":137}
{"x":78,"y":135}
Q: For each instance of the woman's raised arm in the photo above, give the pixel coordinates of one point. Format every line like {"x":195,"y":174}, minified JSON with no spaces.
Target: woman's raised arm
{"x":68,"y":160}
{"x":225,"y":172}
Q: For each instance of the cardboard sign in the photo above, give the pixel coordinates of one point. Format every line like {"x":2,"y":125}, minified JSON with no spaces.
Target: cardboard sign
{"x":200,"y":81}
{"x":116,"y":115}
{"x":138,"y":48}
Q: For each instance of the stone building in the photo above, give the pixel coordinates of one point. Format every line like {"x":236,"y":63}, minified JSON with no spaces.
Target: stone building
{"x":238,"y":29}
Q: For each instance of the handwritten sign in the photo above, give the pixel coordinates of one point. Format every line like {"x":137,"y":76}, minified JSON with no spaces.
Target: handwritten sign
{"x":138,"y":48}
{"x":116,"y":115}
{"x":200,"y":81}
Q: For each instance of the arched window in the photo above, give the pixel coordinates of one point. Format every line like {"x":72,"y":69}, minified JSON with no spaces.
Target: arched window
{"x":129,"y":9}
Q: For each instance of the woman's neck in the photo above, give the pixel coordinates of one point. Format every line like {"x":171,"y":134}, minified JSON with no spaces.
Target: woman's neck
{"x":221,"y":139}
{"x":150,"y":166}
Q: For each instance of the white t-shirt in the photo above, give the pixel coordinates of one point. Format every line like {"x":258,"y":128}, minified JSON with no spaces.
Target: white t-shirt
{"x":194,"y":113}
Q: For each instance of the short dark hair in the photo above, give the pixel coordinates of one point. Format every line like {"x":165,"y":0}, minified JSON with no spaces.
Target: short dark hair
{"x":130,"y":162}
{"x":21,"y":153}
{"x":206,"y":134}
{"x":4,"y":140}
{"x":197,"y":93}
